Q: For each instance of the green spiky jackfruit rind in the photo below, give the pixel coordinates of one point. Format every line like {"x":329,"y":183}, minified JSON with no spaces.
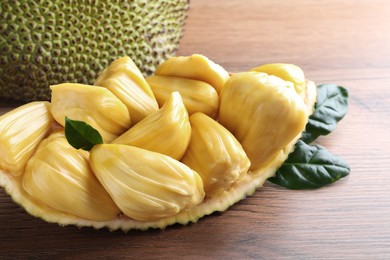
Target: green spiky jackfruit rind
{"x":45,"y":43}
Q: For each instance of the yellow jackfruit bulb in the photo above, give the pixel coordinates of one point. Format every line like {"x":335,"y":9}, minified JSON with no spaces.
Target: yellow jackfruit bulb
{"x":21,"y":131}
{"x":146,"y":185}
{"x":263,"y":112}
{"x":123,"y":78}
{"x":196,"y":67}
{"x":166,"y":131}
{"x":198,"y":96}
{"x":287,"y":72}
{"x":96,"y":106}
{"x":60,"y":177}
{"x":215,"y":154}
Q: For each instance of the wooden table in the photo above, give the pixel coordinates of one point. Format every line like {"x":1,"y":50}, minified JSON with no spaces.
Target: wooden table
{"x":342,"y":42}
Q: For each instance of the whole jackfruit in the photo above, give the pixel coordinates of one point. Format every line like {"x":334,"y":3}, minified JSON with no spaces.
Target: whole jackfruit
{"x":45,"y":43}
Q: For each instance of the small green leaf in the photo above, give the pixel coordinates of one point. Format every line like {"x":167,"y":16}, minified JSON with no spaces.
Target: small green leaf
{"x":331,"y":107}
{"x":310,"y":167}
{"x":80,"y":135}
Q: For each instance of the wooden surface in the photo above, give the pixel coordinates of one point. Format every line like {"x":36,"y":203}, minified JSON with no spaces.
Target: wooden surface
{"x":342,"y":42}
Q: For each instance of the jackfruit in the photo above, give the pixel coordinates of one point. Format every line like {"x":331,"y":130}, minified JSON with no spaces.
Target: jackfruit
{"x":166,"y":131}
{"x":21,"y":131}
{"x":173,"y":191}
{"x":94,"y":105}
{"x":146,"y":185}
{"x":287,"y":72}
{"x":198,"y":96}
{"x":263,"y":112}
{"x":215,"y":154}
{"x":59,"y":176}
{"x":197,"y":67}
{"x":125,"y":81}
{"x":47,"y":43}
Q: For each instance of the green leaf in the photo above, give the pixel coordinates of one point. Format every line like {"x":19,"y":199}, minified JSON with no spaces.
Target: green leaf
{"x":310,"y":167}
{"x":331,"y":107}
{"x":80,"y":135}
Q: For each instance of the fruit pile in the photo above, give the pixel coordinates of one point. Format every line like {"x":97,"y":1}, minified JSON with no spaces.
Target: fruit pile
{"x":185,"y":142}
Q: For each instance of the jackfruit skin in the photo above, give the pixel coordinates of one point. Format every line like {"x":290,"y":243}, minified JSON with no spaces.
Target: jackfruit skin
{"x":45,"y":43}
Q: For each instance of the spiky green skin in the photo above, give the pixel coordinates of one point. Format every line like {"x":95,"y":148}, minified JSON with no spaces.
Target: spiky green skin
{"x":45,"y":42}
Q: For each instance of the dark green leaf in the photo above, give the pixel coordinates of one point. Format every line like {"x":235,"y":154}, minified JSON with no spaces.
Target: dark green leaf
{"x":331,"y":106}
{"x":80,"y":135}
{"x":310,"y":167}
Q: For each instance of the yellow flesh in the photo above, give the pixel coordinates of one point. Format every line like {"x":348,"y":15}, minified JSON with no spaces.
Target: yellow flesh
{"x":166,"y":131}
{"x":153,"y":190}
{"x":287,"y":72}
{"x":124,"y":79}
{"x":215,"y":154}
{"x":93,"y":105}
{"x":195,"y":67}
{"x":59,"y":176}
{"x":146,"y":185}
{"x":263,"y":112}
{"x":198,"y":96}
{"x":21,"y":131}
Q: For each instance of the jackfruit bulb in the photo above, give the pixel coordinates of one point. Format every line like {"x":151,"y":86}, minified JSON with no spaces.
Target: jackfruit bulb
{"x":45,"y":43}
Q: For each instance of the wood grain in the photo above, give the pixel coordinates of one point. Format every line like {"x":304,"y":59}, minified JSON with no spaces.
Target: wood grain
{"x":342,"y":42}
